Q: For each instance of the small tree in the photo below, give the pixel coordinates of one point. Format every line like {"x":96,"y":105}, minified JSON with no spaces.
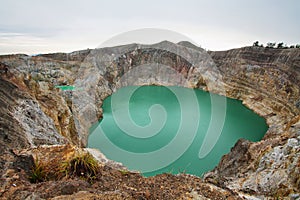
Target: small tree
{"x":298,"y":46}
{"x":280,"y":45}
{"x":271,"y":44}
{"x":256,"y":44}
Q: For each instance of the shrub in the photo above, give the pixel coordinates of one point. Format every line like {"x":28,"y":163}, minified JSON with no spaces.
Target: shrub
{"x":280,"y":45}
{"x":82,"y":165}
{"x":256,"y":44}
{"x":124,"y":172}
{"x":271,"y":44}
{"x":38,"y":172}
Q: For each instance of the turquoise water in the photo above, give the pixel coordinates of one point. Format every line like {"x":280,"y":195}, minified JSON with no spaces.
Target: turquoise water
{"x":156,"y":129}
{"x":66,"y":87}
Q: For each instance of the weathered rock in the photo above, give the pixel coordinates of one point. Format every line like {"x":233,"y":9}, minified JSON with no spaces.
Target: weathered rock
{"x":34,"y":112}
{"x":12,"y":133}
{"x":267,"y":81}
{"x":109,"y":183}
{"x":35,"y":127}
{"x":36,"y":77}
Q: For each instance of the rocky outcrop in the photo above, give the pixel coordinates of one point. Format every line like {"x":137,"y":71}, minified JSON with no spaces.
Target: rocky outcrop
{"x":35,"y":112}
{"x":36,"y":78}
{"x":23,"y":122}
{"x":267,"y":81}
{"x":111,"y":182}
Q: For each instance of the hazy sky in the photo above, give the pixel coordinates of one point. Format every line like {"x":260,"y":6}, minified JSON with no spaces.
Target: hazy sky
{"x":36,"y":26}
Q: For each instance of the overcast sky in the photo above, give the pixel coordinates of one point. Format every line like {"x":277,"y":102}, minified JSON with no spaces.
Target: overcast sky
{"x":36,"y":26}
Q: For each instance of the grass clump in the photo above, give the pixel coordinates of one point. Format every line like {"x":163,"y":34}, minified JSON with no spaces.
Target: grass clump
{"x":124,"y":172}
{"x":83,"y":165}
{"x":38,"y":172}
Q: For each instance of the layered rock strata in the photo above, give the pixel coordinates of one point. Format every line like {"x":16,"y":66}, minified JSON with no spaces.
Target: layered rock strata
{"x":35,"y":112}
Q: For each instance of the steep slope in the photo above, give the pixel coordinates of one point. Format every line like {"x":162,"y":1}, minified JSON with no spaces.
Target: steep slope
{"x":268,"y":81}
{"x":35,"y":112}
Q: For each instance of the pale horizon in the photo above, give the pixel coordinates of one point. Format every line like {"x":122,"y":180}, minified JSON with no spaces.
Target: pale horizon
{"x":35,"y":27}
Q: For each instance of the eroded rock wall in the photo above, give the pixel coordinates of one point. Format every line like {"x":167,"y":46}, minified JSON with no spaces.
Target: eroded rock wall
{"x":34,"y":112}
{"x":46,"y":110}
{"x":268,"y":82}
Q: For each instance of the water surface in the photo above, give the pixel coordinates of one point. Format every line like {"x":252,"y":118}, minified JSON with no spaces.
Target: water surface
{"x":161,"y":105}
{"x":65,"y":87}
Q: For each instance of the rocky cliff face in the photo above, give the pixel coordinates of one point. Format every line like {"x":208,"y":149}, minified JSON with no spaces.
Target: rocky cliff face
{"x":267,"y":81}
{"x":35,"y":112}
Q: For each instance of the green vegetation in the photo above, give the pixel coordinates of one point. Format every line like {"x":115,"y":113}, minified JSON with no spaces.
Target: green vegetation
{"x":256,"y":44}
{"x":82,"y":165}
{"x":271,"y":44}
{"x":280,"y":45}
{"x":124,"y":172}
{"x":38,"y":172}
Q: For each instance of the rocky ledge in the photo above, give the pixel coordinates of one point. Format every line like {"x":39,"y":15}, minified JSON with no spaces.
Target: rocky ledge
{"x":42,"y":124}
